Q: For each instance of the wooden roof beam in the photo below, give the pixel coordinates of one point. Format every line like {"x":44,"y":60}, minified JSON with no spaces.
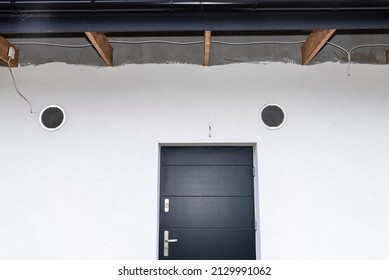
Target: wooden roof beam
{"x":4,"y":47}
{"x":314,"y":43}
{"x":207,"y":47}
{"x":102,"y":46}
{"x":387,"y":56}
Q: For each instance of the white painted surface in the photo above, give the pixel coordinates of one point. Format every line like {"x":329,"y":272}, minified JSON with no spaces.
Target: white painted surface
{"x":89,"y":190}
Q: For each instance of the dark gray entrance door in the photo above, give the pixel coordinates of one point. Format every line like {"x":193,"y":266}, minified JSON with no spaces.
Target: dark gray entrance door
{"x":207,"y":203}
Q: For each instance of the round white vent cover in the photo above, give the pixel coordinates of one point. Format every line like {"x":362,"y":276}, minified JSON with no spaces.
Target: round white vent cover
{"x":52,"y":118}
{"x":272,"y":116}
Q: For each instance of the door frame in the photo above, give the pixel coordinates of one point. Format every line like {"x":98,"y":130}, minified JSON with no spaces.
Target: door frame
{"x":256,"y":186}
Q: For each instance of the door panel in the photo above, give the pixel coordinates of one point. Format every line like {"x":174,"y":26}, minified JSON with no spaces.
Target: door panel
{"x":208,"y":244}
{"x":210,"y":194}
{"x":207,"y":156}
{"x":209,"y":212}
{"x":207,"y":180}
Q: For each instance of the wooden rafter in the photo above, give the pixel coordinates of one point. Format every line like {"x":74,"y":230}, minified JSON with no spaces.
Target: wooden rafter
{"x":314,"y":43}
{"x":387,"y":56}
{"x":102,"y":46}
{"x":4,"y":46}
{"x":207,"y":47}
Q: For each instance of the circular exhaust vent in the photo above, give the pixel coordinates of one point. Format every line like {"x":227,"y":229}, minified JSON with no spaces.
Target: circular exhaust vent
{"x":52,"y":118}
{"x":272,"y":116}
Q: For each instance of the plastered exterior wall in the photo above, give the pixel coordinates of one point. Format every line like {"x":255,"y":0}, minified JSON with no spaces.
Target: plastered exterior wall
{"x":90,"y":190}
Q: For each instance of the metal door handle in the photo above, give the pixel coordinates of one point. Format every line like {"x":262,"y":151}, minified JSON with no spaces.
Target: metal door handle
{"x":172,"y":240}
{"x":166,"y":242}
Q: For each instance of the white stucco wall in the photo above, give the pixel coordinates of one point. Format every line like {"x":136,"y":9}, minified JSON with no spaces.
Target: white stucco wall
{"x":89,"y":190}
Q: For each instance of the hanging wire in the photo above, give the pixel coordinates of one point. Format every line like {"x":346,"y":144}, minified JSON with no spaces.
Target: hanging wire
{"x":52,"y":44}
{"x":156,"y":42}
{"x":353,"y":49}
{"x":16,"y":87}
{"x":255,"y":43}
{"x":182,"y":43}
{"x":348,"y":56}
{"x":201,"y":42}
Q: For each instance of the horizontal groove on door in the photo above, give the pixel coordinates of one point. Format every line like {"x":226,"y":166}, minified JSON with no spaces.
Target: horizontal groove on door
{"x":222,"y":244}
{"x":207,"y":180}
{"x":228,"y":155}
{"x":234,"y":212}
{"x":167,"y":196}
{"x":206,"y":165}
{"x":210,"y":228}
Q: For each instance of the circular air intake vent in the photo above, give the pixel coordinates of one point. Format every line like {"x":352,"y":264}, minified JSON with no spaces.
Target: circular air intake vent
{"x":272,"y":116}
{"x":52,"y":117}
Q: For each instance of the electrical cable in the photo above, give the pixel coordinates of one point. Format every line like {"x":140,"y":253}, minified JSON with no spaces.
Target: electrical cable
{"x":156,"y":42}
{"x":353,"y":49}
{"x":202,"y":42}
{"x":348,"y":56}
{"x":52,"y":44}
{"x":339,"y":47}
{"x":184,"y":43}
{"x":16,"y":87}
{"x":212,"y":41}
{"x":368,"y":46}
{"x":256,"y":43}
{"x":112,"y":42}
{"x":159,"y":42}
